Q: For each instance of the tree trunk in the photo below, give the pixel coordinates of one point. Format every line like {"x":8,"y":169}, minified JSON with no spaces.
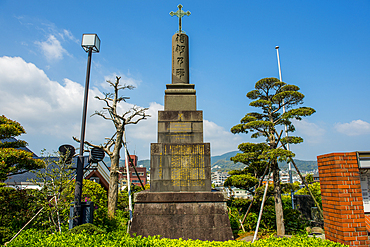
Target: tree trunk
{"x":113,"y":178}
{"x":113,"y":186}
{"x":280,"y":228}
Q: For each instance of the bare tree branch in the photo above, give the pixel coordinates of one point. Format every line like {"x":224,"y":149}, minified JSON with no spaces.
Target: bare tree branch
{"x":131,"y":116}
{"x":101,"y":113}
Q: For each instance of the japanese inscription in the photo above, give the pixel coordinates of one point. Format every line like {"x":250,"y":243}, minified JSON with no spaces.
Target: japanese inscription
{"x":187,"y":165}
{"x":180,"y":127}
{"x":180,"y":58}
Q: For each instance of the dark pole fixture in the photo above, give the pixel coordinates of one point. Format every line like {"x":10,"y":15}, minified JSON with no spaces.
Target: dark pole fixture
{"x":67,"y":152}
{"x":90,"y":43}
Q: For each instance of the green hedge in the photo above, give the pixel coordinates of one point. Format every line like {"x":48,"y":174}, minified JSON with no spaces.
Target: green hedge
{"x":118,"y":238}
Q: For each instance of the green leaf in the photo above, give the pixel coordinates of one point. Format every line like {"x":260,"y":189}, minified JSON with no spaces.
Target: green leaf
{"x":243,"y":181}
{"x":261,"y":103}
{"x":298,"y":113}
{"x":291,"y":140}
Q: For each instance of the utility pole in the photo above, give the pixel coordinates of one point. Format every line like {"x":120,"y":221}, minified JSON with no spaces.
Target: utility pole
{"x":286,"y":132}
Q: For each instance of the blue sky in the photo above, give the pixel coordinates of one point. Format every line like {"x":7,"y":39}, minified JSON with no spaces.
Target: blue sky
{"x":324,"y":49}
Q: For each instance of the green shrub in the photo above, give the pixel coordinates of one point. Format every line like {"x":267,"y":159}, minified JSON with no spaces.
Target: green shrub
{"x":315,"y":189}
{"x":250,"y":222}
{"x":32,"y":238}
{"x":87,"y":228}
{"x":16,"y":208}
{"x":294,"y":221}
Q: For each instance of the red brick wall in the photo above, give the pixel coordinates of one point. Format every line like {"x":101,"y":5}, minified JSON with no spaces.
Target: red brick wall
{"x":367,"y":221}
{"x":344,"y":218}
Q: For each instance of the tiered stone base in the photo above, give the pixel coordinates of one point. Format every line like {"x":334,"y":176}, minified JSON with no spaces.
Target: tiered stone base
{"x":186,"y":215}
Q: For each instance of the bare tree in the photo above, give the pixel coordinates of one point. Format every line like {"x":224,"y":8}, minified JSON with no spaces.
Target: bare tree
{"x":113,"y":145}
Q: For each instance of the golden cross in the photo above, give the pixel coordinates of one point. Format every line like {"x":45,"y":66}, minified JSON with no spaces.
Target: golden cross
{"x":180,"y":13}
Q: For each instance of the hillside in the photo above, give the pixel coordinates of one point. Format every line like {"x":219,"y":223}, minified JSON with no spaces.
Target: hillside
{"x":303,"y":165}
{"x":223,"y":163}
{"x":225,"y":156}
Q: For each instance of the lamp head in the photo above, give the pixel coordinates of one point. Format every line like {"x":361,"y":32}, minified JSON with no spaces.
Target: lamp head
{"x":90,"y":41}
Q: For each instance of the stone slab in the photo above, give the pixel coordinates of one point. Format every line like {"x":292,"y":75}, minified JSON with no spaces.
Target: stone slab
{"x":180,"y":127}
{"x":180,"y":86}
{"x":180,"y":138}
{"x":179,"y":115}
{"x":184,"y":197}
{"x":180,"y":102}
{"x":186,"y":215}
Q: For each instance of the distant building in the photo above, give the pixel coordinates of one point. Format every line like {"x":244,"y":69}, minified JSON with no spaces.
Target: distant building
{"x":316,"y":178}
{"x":100,"y":175}
{"x":235,"y":192}
{"x":240,"y":193}
{"x":284,"y":178}
{"x":219,"y":178}
{"x":141,"y":172}
{"x":23,"y":185}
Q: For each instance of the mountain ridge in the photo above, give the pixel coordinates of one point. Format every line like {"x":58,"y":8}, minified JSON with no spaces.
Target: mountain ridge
{"x":223,"y":163}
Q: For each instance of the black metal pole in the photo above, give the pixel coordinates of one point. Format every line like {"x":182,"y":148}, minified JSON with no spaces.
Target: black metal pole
{"x":80,"y":160}
{"x":132,"y":164}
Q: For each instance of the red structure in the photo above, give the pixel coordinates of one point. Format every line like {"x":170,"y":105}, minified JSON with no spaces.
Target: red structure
{"x":133,"y":177}
{"x":97,"y":177}
{"x":342,"y":199}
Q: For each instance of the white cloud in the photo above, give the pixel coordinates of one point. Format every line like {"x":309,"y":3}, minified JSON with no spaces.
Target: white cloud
{"x":69,"y":35}
{"x":147,"y":129}
{"x":52,"y":48}
{"x":222,"y":141}
{"x":43,"y":105}
{"x":123,"y":81}
{"x":310,"y":132}
{"x":50,"y":111}
{"x":354,"y":128}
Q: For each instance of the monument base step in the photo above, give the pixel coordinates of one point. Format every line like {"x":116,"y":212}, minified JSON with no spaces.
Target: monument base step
{"x":186,"y":215}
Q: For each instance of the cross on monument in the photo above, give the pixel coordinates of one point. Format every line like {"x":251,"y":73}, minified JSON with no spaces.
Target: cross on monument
{"x":180,"y":13}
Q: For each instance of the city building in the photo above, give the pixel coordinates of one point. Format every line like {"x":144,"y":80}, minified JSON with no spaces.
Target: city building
{"x":219,"y":178}
{"x":134,"y":178}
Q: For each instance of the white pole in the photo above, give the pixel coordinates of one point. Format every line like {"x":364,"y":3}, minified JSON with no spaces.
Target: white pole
{"x":286,"y":132}
{"x":128,"y":181}
{"x":261,"y":209}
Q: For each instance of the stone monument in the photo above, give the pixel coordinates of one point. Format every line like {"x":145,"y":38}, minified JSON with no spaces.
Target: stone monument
{"x":180,"y":203}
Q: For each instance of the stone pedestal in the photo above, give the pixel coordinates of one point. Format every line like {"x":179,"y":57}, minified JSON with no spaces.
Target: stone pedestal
{"x":186,"y":215}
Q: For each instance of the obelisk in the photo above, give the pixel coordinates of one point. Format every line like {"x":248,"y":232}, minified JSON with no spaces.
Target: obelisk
{"x":180,"y":203}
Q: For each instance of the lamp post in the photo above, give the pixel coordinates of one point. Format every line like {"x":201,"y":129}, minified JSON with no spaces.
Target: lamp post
{"x":90,"y":43}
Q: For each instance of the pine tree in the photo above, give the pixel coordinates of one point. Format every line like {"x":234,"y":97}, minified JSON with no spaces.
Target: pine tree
{"x":272,"y":96}
{"x":14,"y":160}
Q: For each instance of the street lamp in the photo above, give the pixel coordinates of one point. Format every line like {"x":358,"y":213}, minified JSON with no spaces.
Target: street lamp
{"x":90,"y":43}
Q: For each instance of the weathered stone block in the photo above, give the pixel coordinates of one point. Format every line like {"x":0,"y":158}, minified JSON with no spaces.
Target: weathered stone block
{"x":180,"y":115}
{"x":186,"y":215}
{"x":174,"y":102}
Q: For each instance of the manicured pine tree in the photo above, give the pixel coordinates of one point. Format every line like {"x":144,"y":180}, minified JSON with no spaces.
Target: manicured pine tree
{"x":271,"y":96}
{"x":14,"y":160}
